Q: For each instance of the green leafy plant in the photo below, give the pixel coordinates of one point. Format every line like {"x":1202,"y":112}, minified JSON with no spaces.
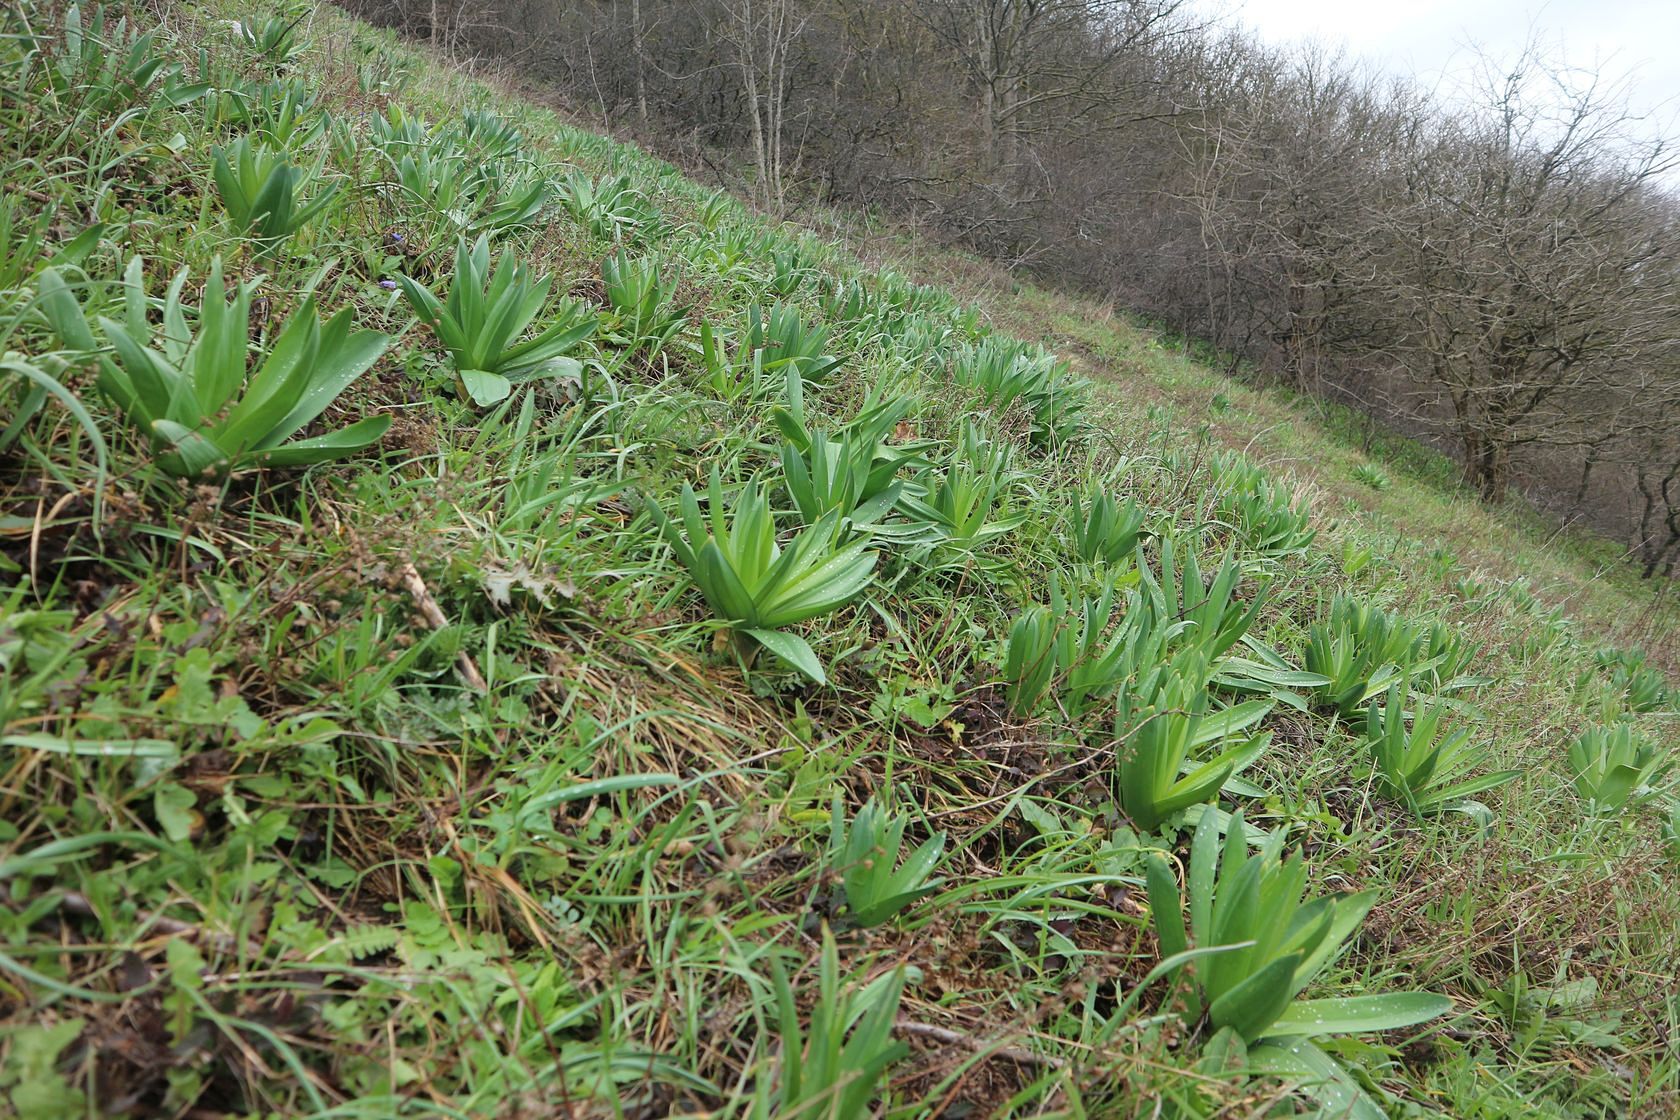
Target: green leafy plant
{"x":851,"y":475}
{"x":734,"y":376}
{"x":786,"y":340}
{"x":1001,"y":370}
{"x":1422,"y":767}
{"x":1615,"y":768}
{"x":1032,"y":658}
{"x":917,"y":340}
{"x":848,"y":301}
{"x":98,"y":66}
{"x":1262,"y":512}
{"x":1641,"y":687}
{"x":191,"y":394}
{"x":461,"y":195}
{"x":258,"y":189}
{"x":718,"y":208}
{"x":958,"y":505}
{"x":1372,"y":475}
{"x":1215,"y":619}
{"x":484,"y":314}
{"x":726,"y":252}
{"x":1160,"y":723}
{"x":1354,"y":557}
{"x":281,"y":113}
{"x":757,"y":586}
{"x":644,"y":303}
{"x":866,"y":850}
{"x":1263,"y":941}
{"x":1362,"y":650}
{"x":1004,"y":371}
{"x":1070,"y":648}
{"x":491,"y":136}
{"x":854,"y":470}
{"x":1101,"y":530}
{"x":611,"y":207}
{"x":788,"y":270}
{"x":396,"y":131}
{"x":1447,"y":659}
{"x":831,"y":1069}
{"x":273,"y":39}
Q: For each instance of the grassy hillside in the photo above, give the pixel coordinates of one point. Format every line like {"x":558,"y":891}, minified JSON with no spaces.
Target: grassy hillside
{"x":495,"y":629}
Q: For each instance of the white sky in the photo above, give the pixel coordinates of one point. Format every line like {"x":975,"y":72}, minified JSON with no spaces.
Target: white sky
{"x":1432,"y":39}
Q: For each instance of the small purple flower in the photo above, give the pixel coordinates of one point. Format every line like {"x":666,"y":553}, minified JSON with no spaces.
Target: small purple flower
{"x":388,"y":285}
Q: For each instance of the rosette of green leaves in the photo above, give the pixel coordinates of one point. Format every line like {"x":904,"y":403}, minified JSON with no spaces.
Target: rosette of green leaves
{"x":1362,"y":650}
{"x":834,"y":1054}
{"x":258,"y":189}
{"x":958,"y":507}
{"x":1643,"y":688}
{"x":1262,"y":941}
{"x":646,"y":314}
{"x":1100,"y":529}
{"x":1161,"y":723}
{"x":756,"y":585}
{"x":273,"y":39}
{"x":1615,"y":768}
{"x":186,"y":386}
{"x":866,"y":849}
{"x":854,"y":471}
{"x":1217,"y":619}
{"x":610,"y":206}
{"x":788,"y":341}
{"x":1263,"y":513}
{"x":481,"y":319}
{"x":1422,"y":766}
{"x":1070,"y":646}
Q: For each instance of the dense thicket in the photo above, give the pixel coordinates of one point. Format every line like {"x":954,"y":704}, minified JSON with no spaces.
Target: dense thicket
{"x":1499,"y":274}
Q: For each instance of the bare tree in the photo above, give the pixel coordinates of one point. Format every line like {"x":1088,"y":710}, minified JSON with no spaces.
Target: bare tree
{"x":1500,"y":278}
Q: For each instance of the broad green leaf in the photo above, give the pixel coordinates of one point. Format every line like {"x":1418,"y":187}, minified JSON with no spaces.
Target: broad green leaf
{"x":193,"y":455}
{"x":1251,"y":1006}
{"x":1356,"y":1014}
{"x":1318,"y":1075}
{"x":484,"y":388}
{"x":792,"y":649}
{"x":362,"y":434}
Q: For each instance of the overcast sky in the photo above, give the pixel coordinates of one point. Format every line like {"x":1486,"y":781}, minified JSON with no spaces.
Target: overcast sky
{"x":1435,"y":38}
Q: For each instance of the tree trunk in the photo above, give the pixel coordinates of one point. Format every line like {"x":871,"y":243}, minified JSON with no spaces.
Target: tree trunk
{"x":640,"y":60}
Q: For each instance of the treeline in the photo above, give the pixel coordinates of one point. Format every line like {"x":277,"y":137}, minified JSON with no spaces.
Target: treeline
{"x":1497,"y":271}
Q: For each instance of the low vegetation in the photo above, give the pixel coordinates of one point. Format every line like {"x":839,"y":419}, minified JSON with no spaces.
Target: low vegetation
{"x":493,"y":628}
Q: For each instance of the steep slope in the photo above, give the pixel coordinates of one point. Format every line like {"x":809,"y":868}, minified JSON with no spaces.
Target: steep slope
{"x":728,"y":645}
